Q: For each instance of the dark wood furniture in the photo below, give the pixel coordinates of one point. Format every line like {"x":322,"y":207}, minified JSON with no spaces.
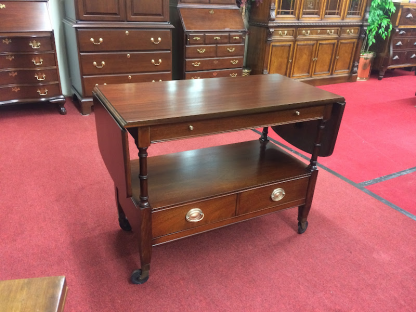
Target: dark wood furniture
{"x":28,"y":64}
{"x":116,"y":41}
{"x":317,"y":42}
{"x":209,"y":39}
{"x":399,"y":50}
{"x":33,"y":294}
{"x":173,"y":196}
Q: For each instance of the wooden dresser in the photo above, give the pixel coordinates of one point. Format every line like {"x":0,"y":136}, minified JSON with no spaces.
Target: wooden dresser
{"x":210,"y":39}
{"x":399,"y":50}
{"x":116,"y":41}
{"x":28,"y":64}
{"x":315,"y":41}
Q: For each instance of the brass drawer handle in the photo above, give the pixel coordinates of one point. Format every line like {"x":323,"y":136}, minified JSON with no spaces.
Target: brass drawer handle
{"x":306,"y":33}
{"x":402,"y":32}
{"x":155,"y":80}
{"x":329,"y":32}
{"x":40,"y":77}
{"x":196,"y":38}
{"x":127,"y":32}
{"x":195,"y":77}
{"x":128,"y":55}
{"x":99,"y":66}
{"x":234,"y":62}
{"x":191,"y":127}
{"x":233,"y":75}
{"x":158,"y":40}
{"x":236,"y":38}
{"x":409,"y":15}
{"x":7,"y":41}
{"x":36,"y":63}
{"x":277,"y":194}
{"x":283,"y":34}
{"x":9,"y":57}
{"x":297,"y":113}
{"x":2,"y":6}
{"x":103,"y":84}
{"x":211,"y":11}
{"x":413,"y":56}
{"x":196,"y":64}
{"x":34,"y":44}
{"x":99,"y":41}
{"x":231,"y":49}
{"x":351,"y":32}
{"x":16,"y":89}
{"x":45,"y":92}
{"x":129,"y":77}
{"x":201,"y":50}
{"x":217,"y":38}
{"x":13,"y":74}
{"x":160,"y":62}
{"x":399,"y":43}
{"x":396,"y":57}
{"x":194,"y":215}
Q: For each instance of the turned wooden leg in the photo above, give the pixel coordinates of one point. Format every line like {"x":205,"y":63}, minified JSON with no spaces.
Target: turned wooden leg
{"x":381,"y":73}
{"x":264,"y":135}
{"x":122,"y":219}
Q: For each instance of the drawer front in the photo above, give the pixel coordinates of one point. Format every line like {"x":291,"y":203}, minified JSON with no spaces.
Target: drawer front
{"x":284,"y":33}
{"x":399,"y":44}
{"x":118,"y":63}
{"x":197,"y":51}
{"x":318,"y":32}
{"x":411,"y":43}
{"x":123,"y":40}
{"x":25,"y":44}
{"x":27,"y":60}
{"x":196,"y":39}
{"x":261,"y":198}
{"x":29,"y":92}
{"x":398,"y":58}
{"x":214,"y":63}
{"x":217,"y":38}
{"x":407,"y":32}
{"x":230,"y":50}
{"x":28,"y":76}
{"x":236,"y":38}
{"x":196,"y":128}
{"x":350,"y":32}
{"x":238,"y":72}
{"x":411,"y":57}
{"x":175,"y":219}
{"x":408,"y":16}
{"x":90,"y":81}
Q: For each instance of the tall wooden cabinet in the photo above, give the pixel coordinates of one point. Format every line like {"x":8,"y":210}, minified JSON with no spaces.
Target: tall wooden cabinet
{"x":209,"y":39}
{"x":116,"y":41}
{"x":399,"y":50}
{"x":28,"y":64}
{"x":315,"y":41}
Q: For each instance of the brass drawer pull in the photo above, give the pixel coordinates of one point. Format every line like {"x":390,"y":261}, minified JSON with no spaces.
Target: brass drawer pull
{"x":160,"y":62}
{"x":414,"y":43}
{"x":7,"y":41}
{"x":396,"y":57}
{"x":201,"y":50}
{"x":194,"y":215}
{"x":231,"y":49}
{"x":99,"y":41}
{"x":351,"y":32}
{"x":234,"y":62}
{"x":283,"y":34}
{"x":13,"y":74}
{"x":103,"y":84}
{"x":329,"y":32}
{"x":155,"y":80}
{"x":191,"y":127}
{"x":402,"y":32}
{"x":40,"y":76}
{"x":409,"y":15}
{"x":16,"y":89}
{"x":233,"y":75}
{"x":196,"y":38}
{"x":195,"y":77}
{"x":158,"y":40}
{"x":217,"y":38}
{"x":399,"y":43}
{"x":37,"y":63}
{"x":196,"y":64}
{"x":128,"y":55}
{"x":127,"y":32}
{"x":34,"y":44}
{"x":45,"y":92}
{"x":2,"y":6}
{"x":413,"y":56}
{"x":236,"y":38}
{"x":9,"y":57}
{"x":297,"y":113}
{"x":129,"y":77}
{"x":211,"y":11}
{"x":277,"y":194}
{"x":99,"y":66}
{"x":306,"y":33}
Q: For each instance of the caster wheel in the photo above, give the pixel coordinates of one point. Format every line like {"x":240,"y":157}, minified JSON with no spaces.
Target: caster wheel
{"x":302,"y":229}
{"x":135,"y":277}
{"x":124,"y":224}
{"x":62,"y":110}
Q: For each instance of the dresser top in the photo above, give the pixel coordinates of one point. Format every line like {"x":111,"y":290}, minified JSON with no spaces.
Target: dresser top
{"x":150,"y":103}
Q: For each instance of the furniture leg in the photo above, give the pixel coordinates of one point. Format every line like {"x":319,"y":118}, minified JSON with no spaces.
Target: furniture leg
{"x":264,"y":134}
{"x":122,"y":219}
{"x":381,"y":73}
{"x":61,"y":102}
{"x":145,"y":241}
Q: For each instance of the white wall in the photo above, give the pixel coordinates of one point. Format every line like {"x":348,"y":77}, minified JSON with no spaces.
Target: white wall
{"x":56,"y":12}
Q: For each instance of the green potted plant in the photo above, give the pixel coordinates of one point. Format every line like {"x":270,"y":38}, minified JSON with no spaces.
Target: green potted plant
{"x":379,"y":27}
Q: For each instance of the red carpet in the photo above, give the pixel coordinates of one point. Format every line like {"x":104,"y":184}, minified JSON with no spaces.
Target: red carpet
{"x":59,"y":218}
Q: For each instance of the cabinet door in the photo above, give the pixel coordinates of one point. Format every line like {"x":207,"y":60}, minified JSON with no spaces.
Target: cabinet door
{"x":310,"y":9}
{"x":354,"y":9}
{"x":333,"y":9}
{"x":324,"y":57}
{"x":147,"y":10}
{"x":302,"y":59}
{"x":344,"y":56}
{"x":286,"y":10}
{"x":104,"y":10}
{"x":280,"y":58}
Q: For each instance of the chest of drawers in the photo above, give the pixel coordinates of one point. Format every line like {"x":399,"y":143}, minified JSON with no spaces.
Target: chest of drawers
{"x":28,"y":65}
{"x":116,"y":42}
{"x":211,"y":37}
{"x":399,"y":50}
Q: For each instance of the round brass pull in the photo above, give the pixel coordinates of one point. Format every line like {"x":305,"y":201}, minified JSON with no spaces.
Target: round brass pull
{"x":127,"y":32}
{"x":278,"y":194}
{"x":129,"y":77}
{"x":194,"y":215}
{"x":191,"y":127}
{"x":158,"y":40}
{"x":99,"y":66}
{"x":99,"y":41}
{"x":160,"y":62}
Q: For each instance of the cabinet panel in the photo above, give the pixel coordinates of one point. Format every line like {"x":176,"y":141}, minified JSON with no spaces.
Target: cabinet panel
{"x":26,"y":44}
{"x":214,"y":73}
{"x":344,"y":56}
{"x":92,"y":10}
{"x":310,"y":9}
{"x":302,"y":59}
{"x":34,"y":92}
{"x":280,"y":58}
{"x":147,"y":10}
{"x":408,"y":16}
{"x":355,"y":9}
{"x":28,"y":76}
{"x":411,"y":57}
{"x":214,"y":63}
{"x":27,"y":60}
{"x":324,"y":57}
